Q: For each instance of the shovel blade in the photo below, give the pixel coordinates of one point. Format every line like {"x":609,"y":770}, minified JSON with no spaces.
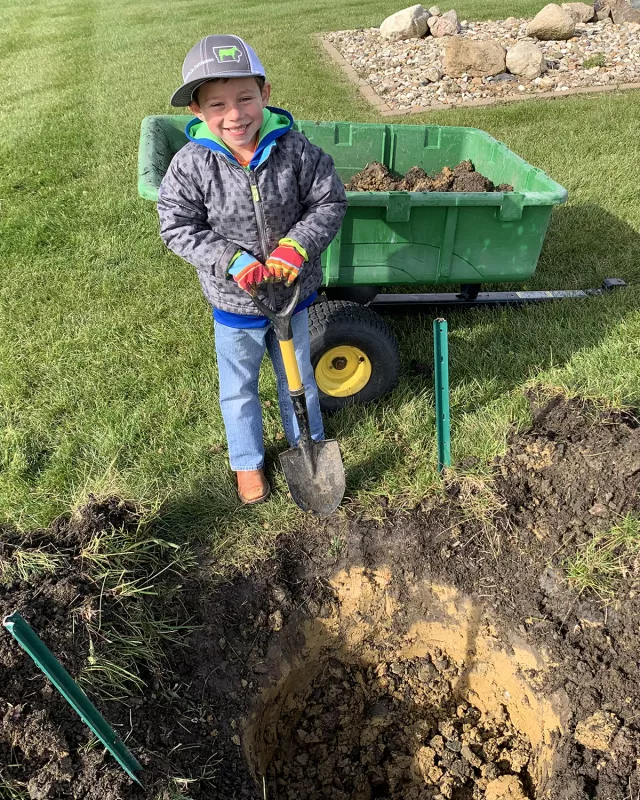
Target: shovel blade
{"x":316,"y":477}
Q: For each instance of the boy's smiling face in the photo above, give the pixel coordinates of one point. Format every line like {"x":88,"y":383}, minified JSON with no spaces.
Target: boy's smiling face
{"x":232,"y":110}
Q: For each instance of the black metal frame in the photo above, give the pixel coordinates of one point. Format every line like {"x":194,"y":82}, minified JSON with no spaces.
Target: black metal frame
{"x":411,"y":302}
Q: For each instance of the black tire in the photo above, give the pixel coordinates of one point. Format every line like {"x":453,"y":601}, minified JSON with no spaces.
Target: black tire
{"x":337,"y":322}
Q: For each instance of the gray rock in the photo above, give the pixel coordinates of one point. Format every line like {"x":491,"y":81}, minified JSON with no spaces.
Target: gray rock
{"x":467,"y":753}
{"x":551,"y":582}
{"x":432,"y":74}
{"x":551,"y":24}
{"x":454,"y":745}
{"x":589,"y":615}
{"x":477,"y":59}
{"x":602,"y":9}
{"x":410,"y":23}
{"x":427,"y":674}
{"x":622,"y":11}
{"x":435,"y":11}
{"x":581,"y":12}
{"x":502,"y":77}
{"x":445,"y":25}
{"x":526,"y":60}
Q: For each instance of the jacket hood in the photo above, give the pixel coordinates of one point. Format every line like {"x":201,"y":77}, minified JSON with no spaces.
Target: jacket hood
{"x":275,"y":123}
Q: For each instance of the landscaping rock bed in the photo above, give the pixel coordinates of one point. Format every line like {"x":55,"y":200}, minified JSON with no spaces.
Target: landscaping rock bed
{"x":412,"y":73}
{"x":437,"y":654}
{"x":375,"y":177}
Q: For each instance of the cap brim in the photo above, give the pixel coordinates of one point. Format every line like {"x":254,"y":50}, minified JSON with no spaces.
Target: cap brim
{"x":184,"y":95}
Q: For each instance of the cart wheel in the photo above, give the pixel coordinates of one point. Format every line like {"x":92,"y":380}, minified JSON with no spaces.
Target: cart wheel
{"x":355,"y":356}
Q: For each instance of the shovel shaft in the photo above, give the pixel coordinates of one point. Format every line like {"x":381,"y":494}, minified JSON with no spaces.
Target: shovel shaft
{"x":291,"y":366}
{"x":302,"y":415}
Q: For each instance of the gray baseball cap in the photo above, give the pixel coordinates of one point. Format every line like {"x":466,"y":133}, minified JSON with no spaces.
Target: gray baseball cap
{"x":216,"y":56}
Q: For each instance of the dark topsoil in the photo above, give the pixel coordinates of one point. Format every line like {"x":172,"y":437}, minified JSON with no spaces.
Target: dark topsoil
{"x":375,"y":177}
{"x":572,"y":475}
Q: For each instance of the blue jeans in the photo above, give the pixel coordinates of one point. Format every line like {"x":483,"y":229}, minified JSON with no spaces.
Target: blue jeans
{"x":240,"y":352}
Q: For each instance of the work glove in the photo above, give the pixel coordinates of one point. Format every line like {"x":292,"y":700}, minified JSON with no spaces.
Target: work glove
{"x":248,"y":272}
{"x":284,"y":264}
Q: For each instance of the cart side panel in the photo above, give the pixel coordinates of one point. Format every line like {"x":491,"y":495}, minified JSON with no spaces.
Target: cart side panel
{"x":160,"y":139}
{"x":439,"y":245}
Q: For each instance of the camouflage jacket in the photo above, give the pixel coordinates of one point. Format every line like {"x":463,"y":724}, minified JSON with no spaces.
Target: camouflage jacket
{"x":211,"y":207}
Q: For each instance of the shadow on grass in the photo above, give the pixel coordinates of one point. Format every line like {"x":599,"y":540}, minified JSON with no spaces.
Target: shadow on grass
{"x":586,"y":244}
{"x":494,"y":351}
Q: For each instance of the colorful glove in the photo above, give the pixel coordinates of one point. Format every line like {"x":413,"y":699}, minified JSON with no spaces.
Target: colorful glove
{"x":247,"y":272}
{"x":285,"y":263}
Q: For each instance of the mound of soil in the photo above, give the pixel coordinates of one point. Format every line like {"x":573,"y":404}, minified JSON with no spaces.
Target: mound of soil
{"x":45,"y":749}
{"x":396,"y":730}
{"x":375,"y":177}
{"x":203,"y":715}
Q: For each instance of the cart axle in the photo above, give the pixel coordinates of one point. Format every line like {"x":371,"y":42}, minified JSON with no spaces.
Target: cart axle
{"x":408,"y":302}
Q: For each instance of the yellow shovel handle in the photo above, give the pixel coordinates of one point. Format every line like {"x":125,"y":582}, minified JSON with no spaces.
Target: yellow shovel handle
{"x":291,"y":365}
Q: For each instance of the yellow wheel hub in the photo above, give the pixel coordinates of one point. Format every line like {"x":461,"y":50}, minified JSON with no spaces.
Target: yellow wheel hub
{"x":343,"y":371}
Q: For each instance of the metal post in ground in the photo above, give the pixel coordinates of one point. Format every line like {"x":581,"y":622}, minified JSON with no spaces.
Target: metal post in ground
{"x":29,"y":640}
{"x":441,"y":373}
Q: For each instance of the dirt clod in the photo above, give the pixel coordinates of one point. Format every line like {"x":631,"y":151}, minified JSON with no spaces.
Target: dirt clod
{"x":598,"y":731}
{"x":375,"y":177}
{"x":506,"y":788}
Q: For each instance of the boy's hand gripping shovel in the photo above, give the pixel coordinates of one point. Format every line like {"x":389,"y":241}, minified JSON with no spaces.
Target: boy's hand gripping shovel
{"x":314,"y":470}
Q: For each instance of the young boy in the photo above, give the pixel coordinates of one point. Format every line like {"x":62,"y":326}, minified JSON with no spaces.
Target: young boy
{"x":248,"y":201}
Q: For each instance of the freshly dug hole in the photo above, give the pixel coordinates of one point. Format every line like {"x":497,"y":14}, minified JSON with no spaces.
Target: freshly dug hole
{"x":370,"y":708}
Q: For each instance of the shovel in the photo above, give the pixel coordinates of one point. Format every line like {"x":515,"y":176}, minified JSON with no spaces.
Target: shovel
{"x":313,"y":470}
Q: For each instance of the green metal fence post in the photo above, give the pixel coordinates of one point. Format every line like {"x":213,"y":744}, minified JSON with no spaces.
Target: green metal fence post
{"x":441,"y":372}
{"x":77,"y":699}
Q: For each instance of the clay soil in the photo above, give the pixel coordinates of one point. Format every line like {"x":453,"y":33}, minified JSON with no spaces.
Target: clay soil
{"x":247,"y":710}
{"x":396,"y":730}
{"x":375,"y":177}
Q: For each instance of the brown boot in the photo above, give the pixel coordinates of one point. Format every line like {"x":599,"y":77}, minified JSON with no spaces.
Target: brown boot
{"x":253,"y":487}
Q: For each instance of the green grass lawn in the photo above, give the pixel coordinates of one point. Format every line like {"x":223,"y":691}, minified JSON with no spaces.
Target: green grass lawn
{"x":108,"y":381}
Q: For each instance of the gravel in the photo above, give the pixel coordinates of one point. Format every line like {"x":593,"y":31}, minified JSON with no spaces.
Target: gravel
{"x":398,"y":71}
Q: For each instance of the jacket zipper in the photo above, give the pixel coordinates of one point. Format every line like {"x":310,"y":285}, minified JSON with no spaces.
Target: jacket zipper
{"x":257,"y":205}
{"x":262,"y":226}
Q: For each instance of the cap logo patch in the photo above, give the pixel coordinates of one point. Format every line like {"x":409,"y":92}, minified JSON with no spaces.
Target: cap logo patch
{"x":225,"y":54}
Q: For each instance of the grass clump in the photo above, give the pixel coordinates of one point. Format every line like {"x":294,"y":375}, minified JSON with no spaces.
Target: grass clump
{"x":12,"y":790}
{"x":597,"y":60}
{"x":607,"y":559}
{"x":139,"y":580}
{"x":26,"y":565}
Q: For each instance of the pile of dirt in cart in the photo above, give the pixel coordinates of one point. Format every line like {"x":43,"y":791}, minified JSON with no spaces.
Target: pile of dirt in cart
{"x":375,"y":177}
{"x":439,"y":654}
